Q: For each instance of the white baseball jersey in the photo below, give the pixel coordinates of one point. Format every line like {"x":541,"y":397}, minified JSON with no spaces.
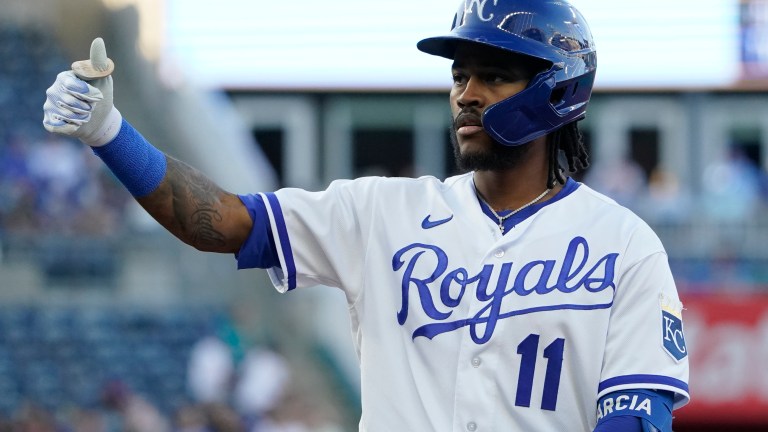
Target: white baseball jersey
{"x":461,"y":328}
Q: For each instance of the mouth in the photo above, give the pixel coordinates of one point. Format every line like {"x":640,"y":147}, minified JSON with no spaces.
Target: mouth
{"x":468,"y":124}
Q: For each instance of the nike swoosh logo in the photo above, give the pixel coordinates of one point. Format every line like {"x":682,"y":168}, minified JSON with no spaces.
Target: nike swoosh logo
{"x":427,"y":224}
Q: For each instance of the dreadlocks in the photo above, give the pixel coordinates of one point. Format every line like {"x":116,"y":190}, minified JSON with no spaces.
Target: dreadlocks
{"x":568,"y":140}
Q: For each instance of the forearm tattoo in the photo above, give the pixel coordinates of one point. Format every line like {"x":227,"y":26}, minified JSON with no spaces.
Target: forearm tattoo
{"x":196,"y":206}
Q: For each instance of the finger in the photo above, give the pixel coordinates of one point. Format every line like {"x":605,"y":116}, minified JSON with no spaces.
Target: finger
{"x":99,"y":55}
{"x":97,"y":66}
{"x":74,"y":105}
{"x":56,"y":124}
{"x":69,"y":83}
{"x":65,"y":98}
{"x":55,"y":111}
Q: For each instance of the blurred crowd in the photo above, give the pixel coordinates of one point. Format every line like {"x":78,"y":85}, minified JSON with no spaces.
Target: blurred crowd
{"x":48,"y":184}
{"x":733,"y":190}
{"x":125,"y":411}
{"x":54,"y":185}
{"x":715,"y":235}
{"x":184,"y":370}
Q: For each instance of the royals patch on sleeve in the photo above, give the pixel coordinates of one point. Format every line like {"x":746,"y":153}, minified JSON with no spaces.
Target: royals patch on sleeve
{"x":672,"y":338}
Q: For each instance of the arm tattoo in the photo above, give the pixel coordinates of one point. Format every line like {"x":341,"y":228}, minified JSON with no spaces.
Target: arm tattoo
{"x":196,"y":206}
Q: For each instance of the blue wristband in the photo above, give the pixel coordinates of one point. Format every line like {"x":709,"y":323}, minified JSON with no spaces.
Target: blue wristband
{"x":138,"y":165}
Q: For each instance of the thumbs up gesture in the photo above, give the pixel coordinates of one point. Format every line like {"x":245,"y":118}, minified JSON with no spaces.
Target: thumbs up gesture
{"x":79,"y":103}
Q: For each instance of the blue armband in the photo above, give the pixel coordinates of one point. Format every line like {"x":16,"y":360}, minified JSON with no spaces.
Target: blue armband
{"x":621,"y":423}
{"x":653,"y":408}
{"x":138,"y":165}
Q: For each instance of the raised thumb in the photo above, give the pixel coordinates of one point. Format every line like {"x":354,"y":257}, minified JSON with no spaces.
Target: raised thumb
{"x":98,"y":66}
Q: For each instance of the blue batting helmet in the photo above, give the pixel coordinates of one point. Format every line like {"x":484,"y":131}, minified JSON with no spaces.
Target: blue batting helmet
{"x":551,"y":30}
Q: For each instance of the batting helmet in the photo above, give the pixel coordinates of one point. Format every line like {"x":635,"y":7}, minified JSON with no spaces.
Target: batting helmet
{"x":551,"y":30}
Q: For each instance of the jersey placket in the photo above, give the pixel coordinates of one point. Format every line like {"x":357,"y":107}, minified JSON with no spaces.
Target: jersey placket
{"x":477,"y":378}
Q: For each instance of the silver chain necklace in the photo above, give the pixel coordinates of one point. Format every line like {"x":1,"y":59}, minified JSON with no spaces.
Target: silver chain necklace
{"x":513,"y":212}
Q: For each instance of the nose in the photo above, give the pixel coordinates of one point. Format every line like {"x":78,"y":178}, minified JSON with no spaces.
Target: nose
{"x":471,"y":93}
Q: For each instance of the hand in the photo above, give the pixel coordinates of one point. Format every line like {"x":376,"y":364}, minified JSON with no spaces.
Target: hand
{"x":83,"y":109}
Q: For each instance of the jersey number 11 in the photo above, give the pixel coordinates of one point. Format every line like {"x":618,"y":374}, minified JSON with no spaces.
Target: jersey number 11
{"x":529,"y":350}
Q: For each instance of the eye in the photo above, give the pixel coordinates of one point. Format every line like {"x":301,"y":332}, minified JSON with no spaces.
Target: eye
{"x":499,"y":78}
{"x":459,"y":78}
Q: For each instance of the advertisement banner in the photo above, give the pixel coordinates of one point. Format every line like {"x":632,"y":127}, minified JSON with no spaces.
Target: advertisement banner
{"x":727,"y":340}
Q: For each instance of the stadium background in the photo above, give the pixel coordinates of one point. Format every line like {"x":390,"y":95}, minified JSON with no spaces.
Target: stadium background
{"x":105,"y":319}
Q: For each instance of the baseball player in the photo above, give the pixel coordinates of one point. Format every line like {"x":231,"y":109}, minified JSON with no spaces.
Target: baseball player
{"x":508,"y":298}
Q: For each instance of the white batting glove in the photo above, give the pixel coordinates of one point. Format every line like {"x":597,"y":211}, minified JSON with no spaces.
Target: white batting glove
{"x":83,"y":109}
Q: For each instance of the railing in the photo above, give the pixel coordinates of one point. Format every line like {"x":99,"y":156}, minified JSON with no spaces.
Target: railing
{"x":718,"y":256}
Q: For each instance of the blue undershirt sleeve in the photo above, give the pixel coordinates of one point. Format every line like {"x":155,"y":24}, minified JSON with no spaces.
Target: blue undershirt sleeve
{"x":258,"y":250}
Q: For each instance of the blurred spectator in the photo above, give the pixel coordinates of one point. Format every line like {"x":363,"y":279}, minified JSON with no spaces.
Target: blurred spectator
{"x":191,"y":418}
{"x":666,"y":200}
{"x":136,"y":413}
{"x":56,"y":186}
{"x":289,"y":416}
{"x":103,"y":200}
{"x":16,"y":186}
{"x":57,"y":168}
{"x":34,"y":418}
{"x":211,"y":371}
{"x":212,"y":417}
{"x":731,"y":187}
{"x":263,"y":379}
{"x":297,"y":413}
{"x":622,"y":180}
{"x":88,"y":420}
{"x":222,"y":418}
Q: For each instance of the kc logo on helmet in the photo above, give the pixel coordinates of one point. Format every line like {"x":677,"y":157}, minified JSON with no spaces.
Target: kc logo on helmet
{"x":469,"y":4}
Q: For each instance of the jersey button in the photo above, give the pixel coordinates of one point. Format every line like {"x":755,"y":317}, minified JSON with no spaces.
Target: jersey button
{"x":499,"y":253}
{"x":476,"y":362}
{"x":471,"y":426}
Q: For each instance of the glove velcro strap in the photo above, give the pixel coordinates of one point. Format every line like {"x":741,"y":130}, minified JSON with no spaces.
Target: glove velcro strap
{"x":106,"y":132}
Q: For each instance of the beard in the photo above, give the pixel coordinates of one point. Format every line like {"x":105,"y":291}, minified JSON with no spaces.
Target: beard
{"x":497,"y":158}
